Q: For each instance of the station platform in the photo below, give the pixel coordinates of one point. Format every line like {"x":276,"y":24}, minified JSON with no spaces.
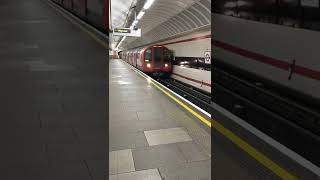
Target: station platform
{"x":52,"y":96}
{"x":151,"y":136}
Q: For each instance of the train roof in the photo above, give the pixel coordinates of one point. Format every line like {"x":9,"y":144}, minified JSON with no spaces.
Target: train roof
{"x":143,"y":48}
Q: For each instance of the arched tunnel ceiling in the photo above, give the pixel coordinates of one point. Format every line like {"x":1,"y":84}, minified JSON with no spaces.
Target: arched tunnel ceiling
{"x":167,"y":18}
{"x":161,"y":11}
{"x":119,"y":12}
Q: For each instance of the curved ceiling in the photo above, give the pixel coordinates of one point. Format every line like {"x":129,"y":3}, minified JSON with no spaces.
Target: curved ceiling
{"x":161,"y":11}
{"x":119,"y":12}
{"x":167,"y":18}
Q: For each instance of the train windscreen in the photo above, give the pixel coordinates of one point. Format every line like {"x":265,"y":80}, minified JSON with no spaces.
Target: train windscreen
{"x":158,"y":57}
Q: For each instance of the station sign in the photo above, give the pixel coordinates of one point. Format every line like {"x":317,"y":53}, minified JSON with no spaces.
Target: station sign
{"x":207,"y":57}
{"x":121,"y":30}
{"x":126,"y":32}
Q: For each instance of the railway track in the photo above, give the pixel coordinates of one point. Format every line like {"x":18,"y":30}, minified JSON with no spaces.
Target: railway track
{"x":201,"y":99}
{"x":287,"y":121}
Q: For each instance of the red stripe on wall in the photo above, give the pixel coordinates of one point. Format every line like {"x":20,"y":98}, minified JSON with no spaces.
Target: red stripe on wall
{"x":187,"y":40}
{"x":193,"y":80}
{"x":310,"y":73}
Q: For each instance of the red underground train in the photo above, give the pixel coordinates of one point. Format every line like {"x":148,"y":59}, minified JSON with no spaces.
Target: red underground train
{"x":154,"y":60}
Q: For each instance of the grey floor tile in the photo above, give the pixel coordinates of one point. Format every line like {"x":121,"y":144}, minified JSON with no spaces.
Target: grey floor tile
{"x":57,"y":135}
{"x":121,"y":115}
{"x":113,"y":177}
{"x":24,"y":172}
{"x":121,"y":162}
{"x":68,"y":170}
{"x":166,"y":136}
{"x":91,"y":134}
{"x":157,"y":156}
{"x":141,"y":125}
{"x":192,"y":151}
{"x":72,"y":152}
{"x":146,"y":107}
{"x":98,"y":169}
{"x":150,"y":174}
{"x":148,"y":114}
{"x":124,"y":140}
{"x":188,"y":171}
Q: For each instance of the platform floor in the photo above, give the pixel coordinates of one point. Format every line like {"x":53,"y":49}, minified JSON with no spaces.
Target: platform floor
{"x":52,"y":96}
{"x":151,"y":134}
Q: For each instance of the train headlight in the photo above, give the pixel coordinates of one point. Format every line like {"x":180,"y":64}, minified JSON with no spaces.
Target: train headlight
{"x":166,"y":65}
{"x":148,"y":65}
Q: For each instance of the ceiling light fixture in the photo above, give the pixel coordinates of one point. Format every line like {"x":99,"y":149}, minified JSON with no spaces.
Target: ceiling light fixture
{"x":124,"y":37}
{"x":148,"y":4}
{"x":140,"y":15}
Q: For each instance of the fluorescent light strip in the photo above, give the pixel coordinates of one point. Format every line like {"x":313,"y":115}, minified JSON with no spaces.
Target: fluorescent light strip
{"x":140,"y":14}
{"x":124,"y":37}
{"x":135,"y":22}
{"x":148,"y":4}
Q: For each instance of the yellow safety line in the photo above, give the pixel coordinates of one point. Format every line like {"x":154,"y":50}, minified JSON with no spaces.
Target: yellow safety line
{"x":204,"y":120}
{"x":261,"y":158}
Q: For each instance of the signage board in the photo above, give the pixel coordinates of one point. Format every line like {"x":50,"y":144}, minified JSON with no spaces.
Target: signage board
{"x":126,"y":32}
{"x":207,"y":57}
{"x":122,"y":30}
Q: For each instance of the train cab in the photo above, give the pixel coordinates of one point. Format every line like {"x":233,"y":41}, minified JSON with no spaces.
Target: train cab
{"x":156,"y":59}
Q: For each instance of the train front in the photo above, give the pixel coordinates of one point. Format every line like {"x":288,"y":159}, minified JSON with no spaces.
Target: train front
{"x":161,"y":61}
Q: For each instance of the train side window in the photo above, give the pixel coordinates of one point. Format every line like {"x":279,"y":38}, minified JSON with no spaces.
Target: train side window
{"x":148,"y":55}
{"x":168,"y":55}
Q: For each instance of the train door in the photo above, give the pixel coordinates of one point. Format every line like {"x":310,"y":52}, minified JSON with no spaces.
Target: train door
{"x":148,"y":58}
{"x":135,"y":59}
{"x":157,"y":56}
{"x":127,"y":57}
{"x":140,"y":56}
